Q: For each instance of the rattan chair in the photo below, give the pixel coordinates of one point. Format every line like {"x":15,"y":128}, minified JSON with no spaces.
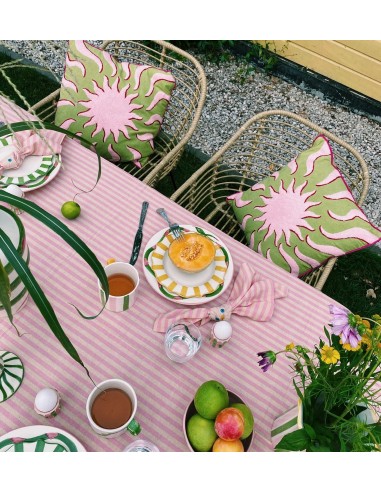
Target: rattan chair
{"x":184,"y":109}
{"x":262,"y":145}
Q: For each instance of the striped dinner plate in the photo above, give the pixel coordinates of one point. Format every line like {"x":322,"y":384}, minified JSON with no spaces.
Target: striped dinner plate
{"x":183,"y":287}
{"x":39,"y":439}
{"x":34,"y":172}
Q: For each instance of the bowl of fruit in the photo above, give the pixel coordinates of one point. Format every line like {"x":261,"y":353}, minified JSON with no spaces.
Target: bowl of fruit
{"x":217,"y":420}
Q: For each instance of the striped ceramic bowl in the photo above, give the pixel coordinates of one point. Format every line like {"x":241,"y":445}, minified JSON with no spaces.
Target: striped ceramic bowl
{"x":13,"y":227}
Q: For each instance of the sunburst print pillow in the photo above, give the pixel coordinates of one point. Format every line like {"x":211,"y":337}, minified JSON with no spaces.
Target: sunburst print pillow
{"x":304,"y":214}
{"x":118,"y":106}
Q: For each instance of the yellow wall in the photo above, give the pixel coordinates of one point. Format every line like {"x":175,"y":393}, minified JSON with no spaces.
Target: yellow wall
{"x":355,"y":64}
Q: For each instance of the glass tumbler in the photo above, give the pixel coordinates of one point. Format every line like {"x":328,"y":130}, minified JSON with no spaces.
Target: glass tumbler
{"x":141,"y":446}
{"x":182,"y":341}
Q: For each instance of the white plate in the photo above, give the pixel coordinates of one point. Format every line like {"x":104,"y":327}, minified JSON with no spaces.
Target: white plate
{"x":33,"y":166}
{"x":184,"y":278}
{"x":52,"y":439}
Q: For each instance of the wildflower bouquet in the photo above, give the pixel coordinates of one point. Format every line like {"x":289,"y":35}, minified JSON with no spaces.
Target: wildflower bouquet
{"x":338,"y":385}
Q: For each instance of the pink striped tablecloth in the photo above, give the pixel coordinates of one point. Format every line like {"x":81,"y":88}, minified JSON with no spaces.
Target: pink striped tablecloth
{"x":123,"y":345}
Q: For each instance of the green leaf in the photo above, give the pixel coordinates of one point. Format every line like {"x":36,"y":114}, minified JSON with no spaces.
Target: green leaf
{"x":310,"y":431}
{"x":327,"y":335}
{"x":294,"y":441}
{"x":320,"y":449}
{"x":37,"y":295}
{"x":63,"y":231}
{"x":298,"y":392}
{"x":375,"y":429}
{"x":5,"y":292}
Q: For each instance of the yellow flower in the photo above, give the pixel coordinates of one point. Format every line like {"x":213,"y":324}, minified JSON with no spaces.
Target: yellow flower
{"x":348,"y":346}
{"x":290,"y":346}
{"x":329,"y":355}
{"x":366,"y":340}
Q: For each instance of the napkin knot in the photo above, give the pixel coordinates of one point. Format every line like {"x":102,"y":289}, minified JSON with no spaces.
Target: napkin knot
{"x":252,"y":295}
{"x":29,"y":142}
{"x":221,"y":313}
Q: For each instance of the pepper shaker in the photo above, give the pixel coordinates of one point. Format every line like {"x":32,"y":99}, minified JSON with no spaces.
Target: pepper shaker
{"x":221,"y":333}
{"x":47,"y":403}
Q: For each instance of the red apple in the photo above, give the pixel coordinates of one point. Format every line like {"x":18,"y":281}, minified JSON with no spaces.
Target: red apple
{"x":229,"y":424}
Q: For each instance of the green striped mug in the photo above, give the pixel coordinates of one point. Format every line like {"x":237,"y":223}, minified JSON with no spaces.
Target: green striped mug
{"x":119,"y":303}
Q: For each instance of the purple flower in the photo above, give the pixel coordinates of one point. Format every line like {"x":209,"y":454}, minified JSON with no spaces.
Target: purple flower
{"x":268,"y":359}
{"x":344,"y":325}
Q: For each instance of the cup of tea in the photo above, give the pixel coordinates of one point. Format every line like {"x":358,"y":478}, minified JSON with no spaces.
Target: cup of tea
{"x":123,"y":281}
{"x":111,"y":408}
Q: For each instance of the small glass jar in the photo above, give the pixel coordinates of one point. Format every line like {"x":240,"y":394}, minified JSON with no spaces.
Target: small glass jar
{"x":141,"y":446}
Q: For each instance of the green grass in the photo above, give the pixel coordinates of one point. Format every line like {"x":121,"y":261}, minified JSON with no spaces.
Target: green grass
{"x":31,"y":83}
{"x":353,"y":274}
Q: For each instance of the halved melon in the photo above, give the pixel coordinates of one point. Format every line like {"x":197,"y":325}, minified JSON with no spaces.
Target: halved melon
{"x":193,"y":253}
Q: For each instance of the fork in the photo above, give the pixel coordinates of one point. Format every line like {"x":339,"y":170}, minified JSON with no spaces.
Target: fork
{"x":173,"y":227}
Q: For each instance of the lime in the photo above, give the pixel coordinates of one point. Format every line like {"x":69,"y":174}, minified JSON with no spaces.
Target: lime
{"x":201,"y":433}
{"x":70,"y":210}
{"x":210,"y":398}
{"x":248,"y":419}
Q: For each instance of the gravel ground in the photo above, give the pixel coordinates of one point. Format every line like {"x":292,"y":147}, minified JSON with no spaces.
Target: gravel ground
{"x":232,"y":98}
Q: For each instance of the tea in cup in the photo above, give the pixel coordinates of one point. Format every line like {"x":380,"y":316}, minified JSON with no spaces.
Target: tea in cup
{"x":111,"y":408}
{"x":123,"y":281}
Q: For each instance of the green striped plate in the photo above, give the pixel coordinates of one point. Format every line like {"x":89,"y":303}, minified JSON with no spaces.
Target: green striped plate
{"x":11,"y":375}
{"x":35,"y":170}
{"x":39,"y":439}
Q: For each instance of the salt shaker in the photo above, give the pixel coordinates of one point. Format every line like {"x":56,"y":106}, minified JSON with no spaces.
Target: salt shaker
{"x":47,"y":402}
{"x":221,"y":333}
{"x":15,"y":191}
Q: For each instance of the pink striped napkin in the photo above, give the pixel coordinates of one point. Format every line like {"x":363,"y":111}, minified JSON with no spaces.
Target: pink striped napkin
{"x":252,"y":295}
{"x":29,"y":142}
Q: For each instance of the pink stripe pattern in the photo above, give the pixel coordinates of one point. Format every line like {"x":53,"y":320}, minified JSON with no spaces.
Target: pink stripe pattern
{"x":252,"y":295}
{"x":124,"y":345}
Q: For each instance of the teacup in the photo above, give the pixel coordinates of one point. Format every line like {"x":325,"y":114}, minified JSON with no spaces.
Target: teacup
{"x":131,"y":425}
{"x":122,"y":299}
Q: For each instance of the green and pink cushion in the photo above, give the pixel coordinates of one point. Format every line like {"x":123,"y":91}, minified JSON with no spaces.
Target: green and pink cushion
{"x":118,"y":106}
{"x":304,"y":214}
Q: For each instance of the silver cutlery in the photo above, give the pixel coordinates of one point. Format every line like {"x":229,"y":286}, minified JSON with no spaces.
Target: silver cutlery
{"x":173,"y":227}
{"x":139,"y":235}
